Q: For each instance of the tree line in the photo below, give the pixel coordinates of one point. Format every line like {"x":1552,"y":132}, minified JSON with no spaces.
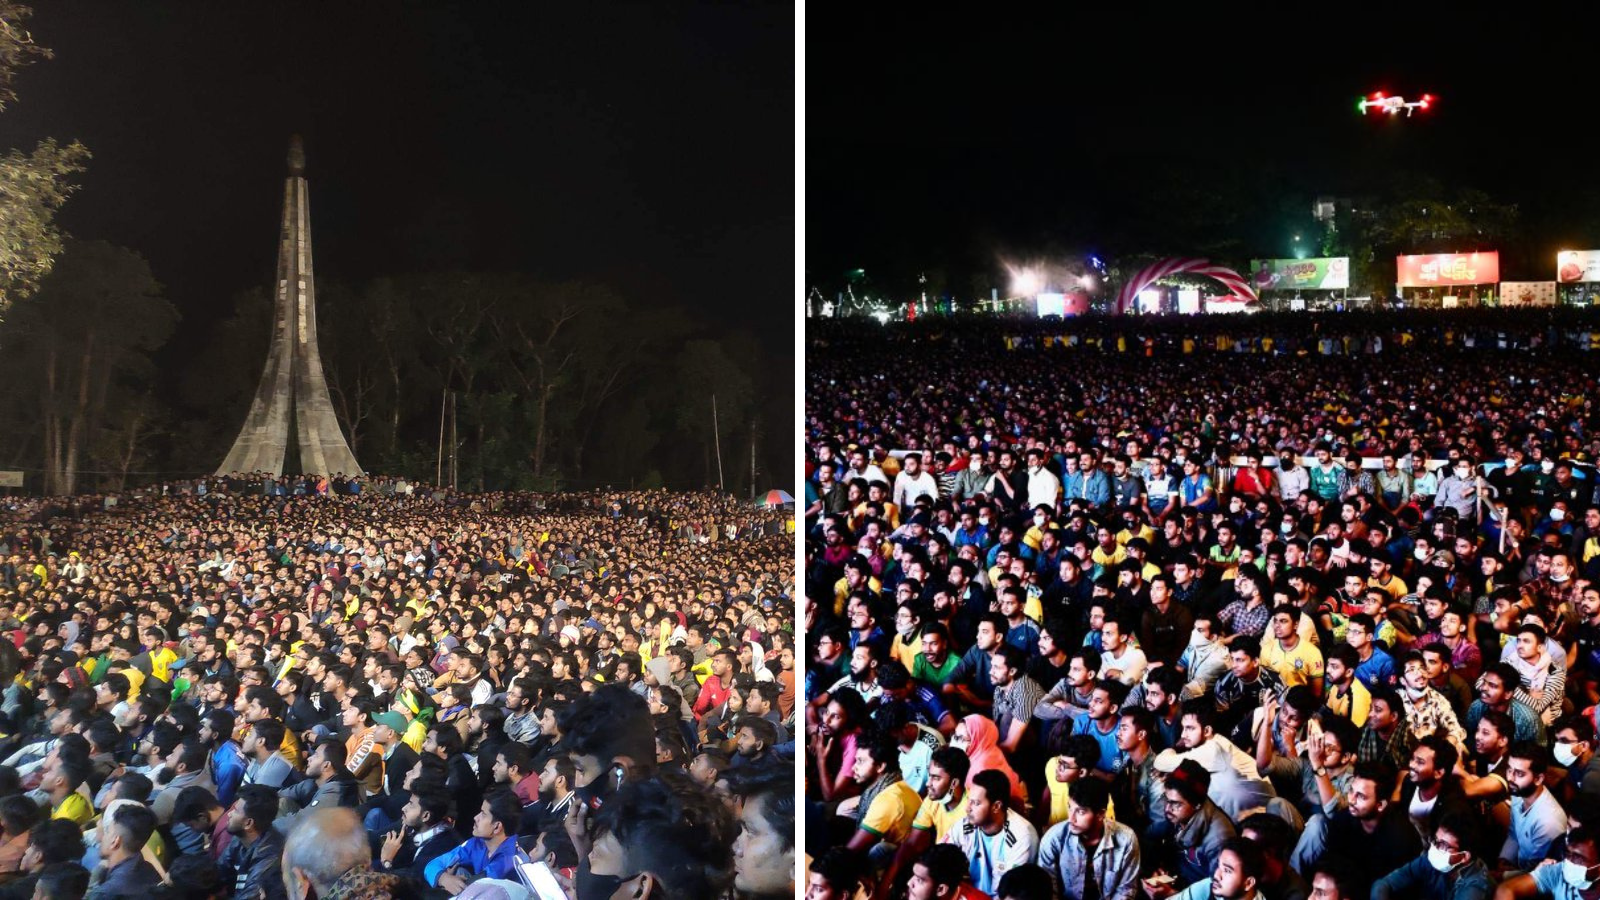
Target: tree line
{"x":539,"y":385}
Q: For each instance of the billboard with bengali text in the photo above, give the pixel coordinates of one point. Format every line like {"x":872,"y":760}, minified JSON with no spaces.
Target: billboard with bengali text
{"x":1527,"y":293}
{"x":1445,"y":269}
{"x":1330,"y":273}
{"x":1573,"y":266}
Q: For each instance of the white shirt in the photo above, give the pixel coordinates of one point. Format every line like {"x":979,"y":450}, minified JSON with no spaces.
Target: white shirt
{"x":907,"y":488}
{"x":1131,"y":664}
{"x":1043,"y":488}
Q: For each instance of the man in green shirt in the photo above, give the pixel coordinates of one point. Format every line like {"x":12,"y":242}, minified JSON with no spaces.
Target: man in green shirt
{"x":935,"y":663}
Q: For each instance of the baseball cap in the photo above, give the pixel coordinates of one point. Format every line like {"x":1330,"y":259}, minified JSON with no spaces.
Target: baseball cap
{"x":392,"y":719}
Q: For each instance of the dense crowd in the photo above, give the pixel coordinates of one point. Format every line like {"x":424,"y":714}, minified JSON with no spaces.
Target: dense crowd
{"x":1281,"y":607}
{"x":252,"y":687}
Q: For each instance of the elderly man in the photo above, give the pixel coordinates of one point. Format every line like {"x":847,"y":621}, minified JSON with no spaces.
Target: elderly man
{"x":327,"y":854}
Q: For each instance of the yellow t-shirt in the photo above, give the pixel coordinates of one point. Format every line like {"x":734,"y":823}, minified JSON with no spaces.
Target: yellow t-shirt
{"x":1114,"y":558}
{"x":841,"y":593}
{"x":1126,"y":535}
{"x":892,"y":812}
{"x":75,"y":808}
{"x":1061,"y":793}
{"x":1396,"y":588}
{"x":1354,"y":706}
{"x":937,"y":818}
{"x":1297,"y":666}
{"x":905,"y":650}
{"x":161,"y":660}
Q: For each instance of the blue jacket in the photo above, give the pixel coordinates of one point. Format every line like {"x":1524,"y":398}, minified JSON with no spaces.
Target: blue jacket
{"x":227,"y":770}
{"x":473,"y":855}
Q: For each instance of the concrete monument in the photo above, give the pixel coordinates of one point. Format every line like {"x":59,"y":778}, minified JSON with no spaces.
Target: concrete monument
{"x":292,"y":386}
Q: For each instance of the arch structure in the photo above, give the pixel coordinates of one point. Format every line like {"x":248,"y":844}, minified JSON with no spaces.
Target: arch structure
{"x":1236,"y":284}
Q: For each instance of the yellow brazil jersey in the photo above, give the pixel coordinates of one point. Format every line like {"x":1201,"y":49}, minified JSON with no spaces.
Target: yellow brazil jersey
{"x":1297,"y":666}
{"x":892,"y":812}
{"x":937,"y":817}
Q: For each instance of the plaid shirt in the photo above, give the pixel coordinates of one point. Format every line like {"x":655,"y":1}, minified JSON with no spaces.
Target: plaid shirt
{"x":1396,"y":750}
{"x":1241,"y":619}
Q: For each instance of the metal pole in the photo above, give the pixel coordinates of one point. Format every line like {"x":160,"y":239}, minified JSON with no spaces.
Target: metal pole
{"x":438,"y":468}
{"x":716,"y":436}
{"x":455,"y":443}
{"x":752,"y":459}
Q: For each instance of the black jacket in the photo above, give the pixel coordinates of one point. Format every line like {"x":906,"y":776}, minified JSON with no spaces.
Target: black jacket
{"x":255,"y":869}
{"x":411,"y":859}
{"x":396,"y":766}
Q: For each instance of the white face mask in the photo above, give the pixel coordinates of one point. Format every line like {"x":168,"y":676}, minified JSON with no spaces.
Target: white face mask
{"x":1196,"y":639}
{"x":1287,"y":528}
{"x":1547,"y":466}
{"x":1462,"y":471}
{"x":1439,"y":858}
{"x":983,"y":520}
{"x":1574,"y":875}
{"x":1565,"y":754}
{"x":1420,"y":553}
{"x":1558,"y":579}
{"x":1557,"y":514}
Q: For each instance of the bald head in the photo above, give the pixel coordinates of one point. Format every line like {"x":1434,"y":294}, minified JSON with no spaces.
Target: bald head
{"x":322,"y":846}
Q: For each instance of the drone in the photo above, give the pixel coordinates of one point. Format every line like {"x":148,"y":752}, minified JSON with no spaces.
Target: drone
{"x":1393,"y":105}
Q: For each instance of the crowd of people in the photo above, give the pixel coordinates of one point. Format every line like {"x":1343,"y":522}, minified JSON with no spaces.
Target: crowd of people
{"x":1125,"y":614}
{"x":250,"y":687}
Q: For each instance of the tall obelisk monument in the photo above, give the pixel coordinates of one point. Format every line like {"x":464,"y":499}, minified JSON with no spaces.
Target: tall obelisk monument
{"x":292,"y":380}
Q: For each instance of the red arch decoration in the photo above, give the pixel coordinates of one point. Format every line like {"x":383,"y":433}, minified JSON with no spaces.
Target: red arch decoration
{"x":1233,"y":281}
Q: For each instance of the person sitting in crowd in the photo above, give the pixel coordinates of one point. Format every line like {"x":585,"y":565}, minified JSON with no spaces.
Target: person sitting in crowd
{"x":1366,"y":658}
{"x":238,"y":693}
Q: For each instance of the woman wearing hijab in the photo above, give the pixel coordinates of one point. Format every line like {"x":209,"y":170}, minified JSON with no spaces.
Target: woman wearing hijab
{"x":980,"y":739}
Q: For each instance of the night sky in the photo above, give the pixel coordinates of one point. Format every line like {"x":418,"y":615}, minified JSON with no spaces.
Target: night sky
{"x":948,"y":142}
{"x":648,"y":148}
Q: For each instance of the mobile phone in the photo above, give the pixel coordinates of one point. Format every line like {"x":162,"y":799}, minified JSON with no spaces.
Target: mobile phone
{"x":539,"y":879}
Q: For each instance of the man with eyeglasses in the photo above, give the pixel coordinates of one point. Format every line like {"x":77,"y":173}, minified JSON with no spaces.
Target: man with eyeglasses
{"x":1449,"y":870}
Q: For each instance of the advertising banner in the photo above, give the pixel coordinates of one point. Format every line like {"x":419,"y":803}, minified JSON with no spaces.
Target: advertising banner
{"x":10,"y":478}
{"x":1331,"y":273}
{"x":1527,"y":293}
{"x":1573,"y":266}
{"x":1442,"y":269}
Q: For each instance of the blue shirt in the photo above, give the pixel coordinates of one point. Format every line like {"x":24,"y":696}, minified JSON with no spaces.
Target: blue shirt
{"x":1024,"y":637}
{"x":1379,"y":670}
{"x":1108,"y":742}
{"x":926,"y":706}
{"x":473,"y":855}
{"x":1194,"y":488}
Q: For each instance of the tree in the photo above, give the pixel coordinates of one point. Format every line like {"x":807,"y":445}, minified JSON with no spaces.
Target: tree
{"x":79,"y":349}
{"x":33,"y":186}
{"x":1425,"y":218}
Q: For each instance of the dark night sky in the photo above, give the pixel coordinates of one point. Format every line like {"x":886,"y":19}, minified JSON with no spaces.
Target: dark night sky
{"x":644,"y":147}
{"x":945,"y":141}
